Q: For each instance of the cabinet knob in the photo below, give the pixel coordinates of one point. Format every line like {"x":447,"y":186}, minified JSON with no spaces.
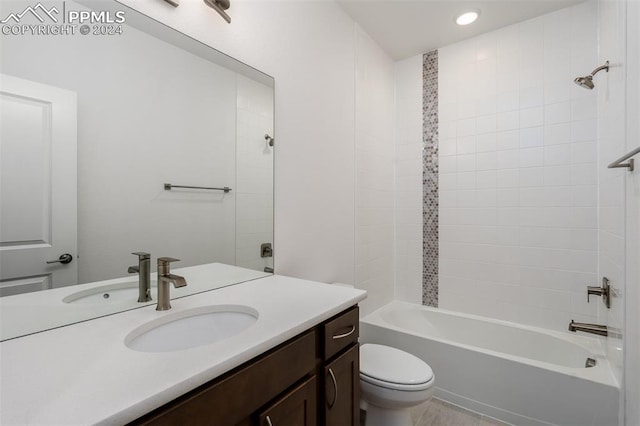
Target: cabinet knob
{"x":268,"y":420}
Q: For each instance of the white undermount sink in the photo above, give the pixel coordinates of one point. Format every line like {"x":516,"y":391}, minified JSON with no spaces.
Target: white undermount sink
{"x":191,"y":328}
{"x":111,"y":293}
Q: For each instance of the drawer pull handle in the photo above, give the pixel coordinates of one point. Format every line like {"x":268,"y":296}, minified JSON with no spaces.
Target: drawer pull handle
{"x":335,"y":389}
{"x":343,"y":335}
{"x":268,"y":419}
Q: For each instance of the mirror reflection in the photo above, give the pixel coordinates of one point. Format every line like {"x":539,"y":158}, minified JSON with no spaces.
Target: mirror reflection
{"x":94,"y":128}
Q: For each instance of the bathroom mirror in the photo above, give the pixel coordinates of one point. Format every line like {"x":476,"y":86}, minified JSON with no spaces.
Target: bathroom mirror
{"x":102,"y":107}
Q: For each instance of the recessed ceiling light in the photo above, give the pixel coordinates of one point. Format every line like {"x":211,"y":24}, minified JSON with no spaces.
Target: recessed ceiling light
{"x":467,"y":18}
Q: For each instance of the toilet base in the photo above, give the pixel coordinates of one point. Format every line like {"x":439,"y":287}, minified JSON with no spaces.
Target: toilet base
{"x":377,"y":416}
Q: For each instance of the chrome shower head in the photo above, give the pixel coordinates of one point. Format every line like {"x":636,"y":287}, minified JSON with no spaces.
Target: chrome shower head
{"x":587,"y":80}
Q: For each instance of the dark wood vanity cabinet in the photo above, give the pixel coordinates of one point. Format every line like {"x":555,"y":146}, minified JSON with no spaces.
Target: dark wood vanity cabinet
{"x":312,"y":379}
{"x":341,"y":370}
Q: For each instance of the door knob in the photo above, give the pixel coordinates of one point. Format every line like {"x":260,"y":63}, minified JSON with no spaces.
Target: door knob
{"x":64,"y":259}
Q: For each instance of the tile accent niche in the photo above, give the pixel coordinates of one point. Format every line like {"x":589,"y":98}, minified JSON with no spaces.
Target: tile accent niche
{"x":430,"y":179}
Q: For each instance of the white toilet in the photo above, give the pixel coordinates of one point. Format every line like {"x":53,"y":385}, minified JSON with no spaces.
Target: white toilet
{"x":391,"y":382}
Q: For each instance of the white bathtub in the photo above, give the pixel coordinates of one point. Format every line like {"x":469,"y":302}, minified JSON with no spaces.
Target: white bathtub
{"x":519,"y":374}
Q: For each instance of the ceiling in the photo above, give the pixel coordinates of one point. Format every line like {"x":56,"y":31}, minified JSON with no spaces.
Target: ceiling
{"x":407,"y":28}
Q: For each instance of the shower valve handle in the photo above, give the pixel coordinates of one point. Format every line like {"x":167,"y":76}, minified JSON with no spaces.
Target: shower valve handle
{"x":604,"y":291}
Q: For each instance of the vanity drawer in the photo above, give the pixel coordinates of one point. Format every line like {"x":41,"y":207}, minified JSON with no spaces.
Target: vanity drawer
{"x":340,"y":332}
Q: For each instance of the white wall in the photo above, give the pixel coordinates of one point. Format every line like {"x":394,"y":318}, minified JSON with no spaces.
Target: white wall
{"x":408,"y":243}
{"x":374,"y":165}
{"x":310,"y":49}
{"x":611,"y":93}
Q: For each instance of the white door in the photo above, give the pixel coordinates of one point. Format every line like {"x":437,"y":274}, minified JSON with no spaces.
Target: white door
{"x":38,"y":188}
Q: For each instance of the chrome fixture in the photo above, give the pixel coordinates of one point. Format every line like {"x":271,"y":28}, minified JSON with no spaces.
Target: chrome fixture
{"x":169,"y":187}
{"x":269,"y":140}
{"x":587,"y":80}
{"x":590,"y":362}
{"x":629,"y":164}
{"x":164,"y":279}
{"x":604,"y":291}
{"x":600,"y":330}
{"x":220,"y":6}
{"x":266,"y":250}
{"x":144,"y":276}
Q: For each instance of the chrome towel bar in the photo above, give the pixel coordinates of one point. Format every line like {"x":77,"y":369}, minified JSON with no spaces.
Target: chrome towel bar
{"x":168,"y":186}
{"x":629,"y":164}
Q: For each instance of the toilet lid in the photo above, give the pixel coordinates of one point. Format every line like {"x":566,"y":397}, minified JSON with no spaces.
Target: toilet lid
{"x":391,"y":365}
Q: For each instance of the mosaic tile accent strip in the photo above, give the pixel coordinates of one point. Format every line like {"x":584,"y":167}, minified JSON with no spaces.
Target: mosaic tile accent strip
{"x":430,"y":179}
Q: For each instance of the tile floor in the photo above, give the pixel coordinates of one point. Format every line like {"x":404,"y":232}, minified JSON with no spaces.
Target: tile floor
{"x":436,"y":412}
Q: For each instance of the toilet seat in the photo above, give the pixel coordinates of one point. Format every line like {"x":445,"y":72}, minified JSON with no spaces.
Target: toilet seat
{"x":394,"y":369}
{"x":396,"y":386}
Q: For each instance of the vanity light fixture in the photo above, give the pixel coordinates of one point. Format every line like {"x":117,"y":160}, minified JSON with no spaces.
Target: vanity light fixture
{"x":468,"y":17}
{"x":220,"y":6}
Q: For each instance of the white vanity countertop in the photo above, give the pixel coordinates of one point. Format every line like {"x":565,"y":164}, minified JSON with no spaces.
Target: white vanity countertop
{"x":84,"y":373}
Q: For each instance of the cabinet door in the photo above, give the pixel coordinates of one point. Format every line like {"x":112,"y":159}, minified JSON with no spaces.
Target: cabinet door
{"x":295,"y":408}
{"x":342,"y":389}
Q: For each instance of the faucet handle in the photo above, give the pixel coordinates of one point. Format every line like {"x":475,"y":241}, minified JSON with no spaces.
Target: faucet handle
{"x":604,"y":291}
{"x":164,"y":264}
{"x":142,"y":255}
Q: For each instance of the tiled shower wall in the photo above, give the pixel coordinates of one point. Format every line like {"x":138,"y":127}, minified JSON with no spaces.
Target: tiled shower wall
{"x":518,"y":177}
{"x":409,"y":176}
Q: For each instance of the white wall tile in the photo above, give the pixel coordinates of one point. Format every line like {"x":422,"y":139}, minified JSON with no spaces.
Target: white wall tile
{"x":557,"y":113}
{"x":532,"y":157}
{"x":519,"y":219}
{"x":532,"y":136}
{"x":486,"y":142}
{"x":466,"y":163}
{"x":555,"y":134}
{"x":531,"y":117}
{"x":557,"y":155}
{"x":508,"y":140}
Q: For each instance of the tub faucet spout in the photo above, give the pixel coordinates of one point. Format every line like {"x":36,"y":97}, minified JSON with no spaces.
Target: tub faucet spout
{"x":600,"y":330}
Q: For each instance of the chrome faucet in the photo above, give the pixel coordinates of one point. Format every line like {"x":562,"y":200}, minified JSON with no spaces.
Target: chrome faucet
{"x":144,"y":276}
{"x":600,"y":330}
{"x":164,"y":279}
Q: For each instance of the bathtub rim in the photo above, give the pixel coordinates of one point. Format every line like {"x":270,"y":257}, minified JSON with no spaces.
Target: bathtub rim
{"x":602,"y":373}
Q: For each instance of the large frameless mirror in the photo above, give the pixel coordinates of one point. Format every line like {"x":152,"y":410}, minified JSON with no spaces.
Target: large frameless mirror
{"x":118,"y":135}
